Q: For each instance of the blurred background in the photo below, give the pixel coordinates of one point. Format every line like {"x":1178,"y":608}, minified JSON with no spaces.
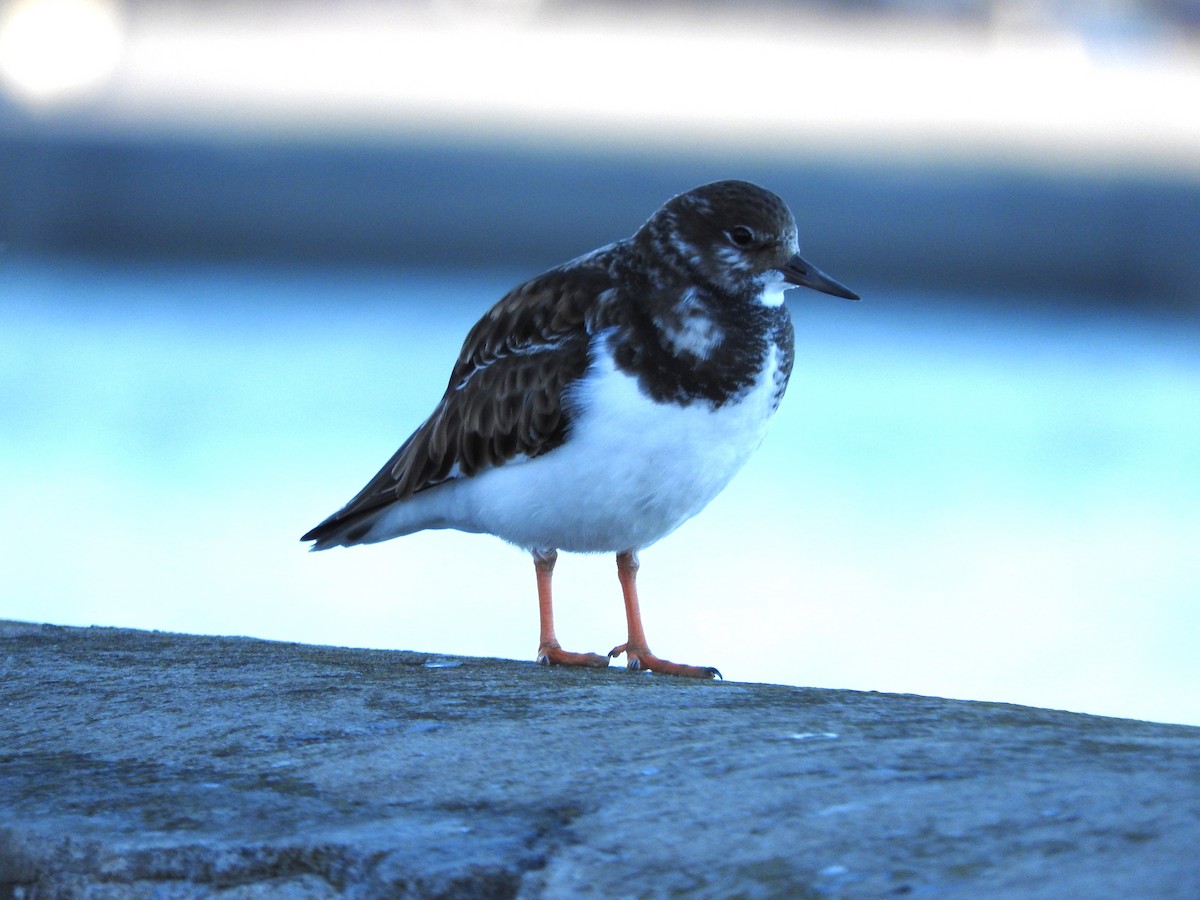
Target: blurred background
{"x":241,"y":243}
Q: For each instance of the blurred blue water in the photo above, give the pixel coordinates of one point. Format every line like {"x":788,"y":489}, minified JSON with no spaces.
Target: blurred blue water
{"x":956,"y":499}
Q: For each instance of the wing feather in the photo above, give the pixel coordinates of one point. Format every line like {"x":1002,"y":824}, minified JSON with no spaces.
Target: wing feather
{"x":504,"y":398}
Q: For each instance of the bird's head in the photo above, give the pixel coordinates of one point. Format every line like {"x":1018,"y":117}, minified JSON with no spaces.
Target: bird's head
{"x":736,"y":237}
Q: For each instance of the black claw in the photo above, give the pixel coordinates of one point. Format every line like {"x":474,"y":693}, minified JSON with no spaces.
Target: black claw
{"x":714,"y":672}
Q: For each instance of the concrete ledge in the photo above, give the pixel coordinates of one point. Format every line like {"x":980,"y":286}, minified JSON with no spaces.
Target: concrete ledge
{"x":146,"y":764}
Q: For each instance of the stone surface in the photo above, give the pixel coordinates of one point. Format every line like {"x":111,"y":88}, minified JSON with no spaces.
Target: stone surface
{"x":146,"y":764}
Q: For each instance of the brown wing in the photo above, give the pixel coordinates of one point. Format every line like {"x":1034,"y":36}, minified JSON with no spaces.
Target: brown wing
{"x":505,"y":393}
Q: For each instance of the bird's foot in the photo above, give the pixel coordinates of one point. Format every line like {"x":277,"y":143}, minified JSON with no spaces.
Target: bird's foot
{"x":554,"y":655}
{"x":640,"y":658}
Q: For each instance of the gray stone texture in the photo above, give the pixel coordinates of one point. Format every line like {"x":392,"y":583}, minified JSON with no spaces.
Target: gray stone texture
{"x":136,"y":764}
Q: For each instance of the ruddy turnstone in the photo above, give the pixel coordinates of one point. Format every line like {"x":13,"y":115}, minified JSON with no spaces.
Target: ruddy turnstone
{"x":602,"y":404}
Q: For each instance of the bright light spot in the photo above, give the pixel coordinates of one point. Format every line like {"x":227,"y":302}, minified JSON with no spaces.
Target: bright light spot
{"x":54,"y":49}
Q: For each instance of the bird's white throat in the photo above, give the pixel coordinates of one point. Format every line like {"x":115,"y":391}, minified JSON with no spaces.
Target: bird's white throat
{"x":773,"y":287}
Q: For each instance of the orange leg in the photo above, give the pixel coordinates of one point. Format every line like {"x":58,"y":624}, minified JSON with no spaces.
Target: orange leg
{"x":637,"y":653}
{"x":550,"y":653}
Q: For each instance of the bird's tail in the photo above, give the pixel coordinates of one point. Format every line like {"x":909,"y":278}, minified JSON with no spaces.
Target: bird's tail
{"x":342,"y":530}
{"x":360,"y":523}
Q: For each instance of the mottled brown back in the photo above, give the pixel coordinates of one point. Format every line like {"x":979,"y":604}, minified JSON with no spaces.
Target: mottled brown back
{"x":504,"y":397}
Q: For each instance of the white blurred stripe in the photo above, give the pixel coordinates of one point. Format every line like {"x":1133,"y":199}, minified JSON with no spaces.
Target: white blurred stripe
{"x":792,"y":87}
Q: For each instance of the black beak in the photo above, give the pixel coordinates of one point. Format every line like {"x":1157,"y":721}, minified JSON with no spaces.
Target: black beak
{"x":803,"y":274}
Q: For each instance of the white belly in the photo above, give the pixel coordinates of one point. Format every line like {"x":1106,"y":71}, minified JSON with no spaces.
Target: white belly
{"x":630,"y":472}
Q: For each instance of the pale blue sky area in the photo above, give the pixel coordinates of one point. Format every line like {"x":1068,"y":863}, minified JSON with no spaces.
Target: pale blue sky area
{"x":958,"y":498}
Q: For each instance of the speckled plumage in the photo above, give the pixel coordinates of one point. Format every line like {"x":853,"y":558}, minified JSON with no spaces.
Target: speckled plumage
{"x":599,"y":405}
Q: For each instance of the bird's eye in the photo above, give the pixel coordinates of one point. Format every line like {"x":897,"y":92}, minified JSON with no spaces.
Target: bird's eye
{"x":740,"y":235}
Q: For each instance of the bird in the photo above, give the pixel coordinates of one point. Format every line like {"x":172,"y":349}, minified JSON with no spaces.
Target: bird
{"x":598,"y":406}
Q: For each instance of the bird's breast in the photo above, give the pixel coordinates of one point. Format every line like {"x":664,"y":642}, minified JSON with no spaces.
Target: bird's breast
{"x":656,"y":464}
{"x":689,"y":354}
{"x":632,"y":468}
